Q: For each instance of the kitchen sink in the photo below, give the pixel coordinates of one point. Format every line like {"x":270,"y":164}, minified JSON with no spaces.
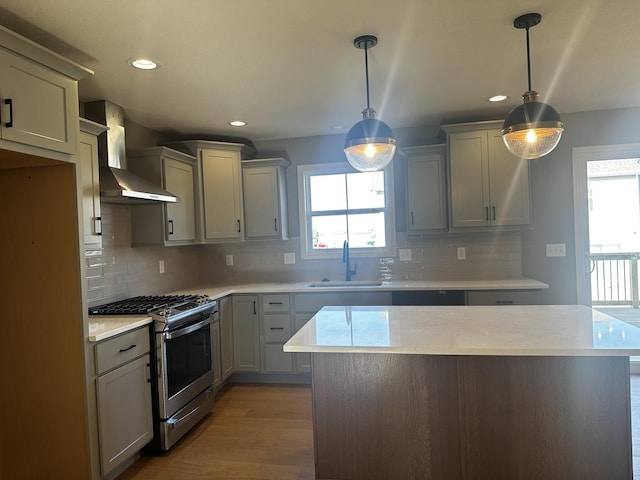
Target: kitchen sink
{"x":343,"y":283}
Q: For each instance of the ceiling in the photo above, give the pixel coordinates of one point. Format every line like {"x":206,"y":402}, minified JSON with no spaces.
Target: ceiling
{"x":289,"y":67}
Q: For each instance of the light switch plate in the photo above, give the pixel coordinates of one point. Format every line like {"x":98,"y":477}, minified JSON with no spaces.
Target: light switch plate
{"x":229,"y":260}
{"x":161,"y":266}
{"x":556,"y":250}
{"x":404,"y":254}
{"x":461,"y":253}
{"x":289,"y":258}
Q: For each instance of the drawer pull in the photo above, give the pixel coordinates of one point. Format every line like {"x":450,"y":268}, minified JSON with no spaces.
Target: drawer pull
{"x":275,"y":303}
{"x":504,"y":302}
{"x":276,"y":328}
{"x":9,"y":102}
{"x":126,"y":349}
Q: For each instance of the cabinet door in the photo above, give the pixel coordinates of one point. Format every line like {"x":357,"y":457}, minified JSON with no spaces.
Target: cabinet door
{"x":42,"y":109}
{"x":302,"y":359}
{"x":426,"y":197}
{"x":468,"y":163}
{"x":124,"y":412}
{"x":246,"y":334}
{"x":222,"y":195}
{"x":262,"y":206}
{"x":217,"y":358}
{"x":181,"y":219}
{"x":509,"y":182}
{"x":92,"y":220}
{"x":226,"y":336}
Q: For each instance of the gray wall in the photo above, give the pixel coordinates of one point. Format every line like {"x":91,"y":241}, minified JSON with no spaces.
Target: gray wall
{"x":552,"y":197}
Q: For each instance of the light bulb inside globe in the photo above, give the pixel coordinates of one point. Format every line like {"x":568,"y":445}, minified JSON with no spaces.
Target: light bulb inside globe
{"x":531,"y":136}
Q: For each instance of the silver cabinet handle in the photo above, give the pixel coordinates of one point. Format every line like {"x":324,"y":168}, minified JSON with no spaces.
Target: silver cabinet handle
{"x":238,"y":225}
{"x":486,"y":213}
{"x":170,"y":222}
{"x":98,"y":225}
{"x":494,"y":212}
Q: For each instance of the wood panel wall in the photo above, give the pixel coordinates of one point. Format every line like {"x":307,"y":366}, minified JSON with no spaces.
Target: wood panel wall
{"x":381,"y":416}
{"x":42,"y":381}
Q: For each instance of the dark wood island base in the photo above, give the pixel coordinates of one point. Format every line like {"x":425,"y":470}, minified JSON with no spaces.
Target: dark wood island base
{"x":401,"y":416}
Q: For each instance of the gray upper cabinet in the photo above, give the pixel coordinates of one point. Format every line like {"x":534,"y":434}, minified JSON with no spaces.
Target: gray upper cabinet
{"x":160,"y":223}
{"x":219,"y":201}
{"x":426,"y":188}
{"x":265,"y":198}
{"x":39,"y":98}
{"x":90,"y":182}
{"x":489,"y":187}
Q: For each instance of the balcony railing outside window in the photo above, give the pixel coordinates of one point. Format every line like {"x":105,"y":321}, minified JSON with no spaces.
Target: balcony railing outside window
{"x":614,"y":279}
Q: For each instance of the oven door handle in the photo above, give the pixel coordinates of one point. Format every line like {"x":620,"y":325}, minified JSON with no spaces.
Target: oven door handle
{"x":186,"y":330}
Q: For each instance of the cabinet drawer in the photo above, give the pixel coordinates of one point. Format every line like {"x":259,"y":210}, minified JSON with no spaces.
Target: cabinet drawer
{"x":504,"y":297}
{"x":275,"y":303}
{"x":277,"y":328}
{"x":121,"y":349}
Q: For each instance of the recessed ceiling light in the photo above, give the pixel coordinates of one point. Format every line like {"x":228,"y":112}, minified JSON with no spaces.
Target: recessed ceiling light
{"x":144,"y":64}
{"x":498,"y":98}
{"x":237,"y":123}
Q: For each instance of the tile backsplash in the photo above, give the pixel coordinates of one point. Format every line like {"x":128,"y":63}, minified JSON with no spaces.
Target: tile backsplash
{"x":120,"y":271}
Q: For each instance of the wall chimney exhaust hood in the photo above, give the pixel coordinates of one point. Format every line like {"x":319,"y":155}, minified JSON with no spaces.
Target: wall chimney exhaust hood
{"x":117,"y":184}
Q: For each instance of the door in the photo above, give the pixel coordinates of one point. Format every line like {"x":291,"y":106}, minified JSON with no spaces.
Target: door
{"x":589,"y":283}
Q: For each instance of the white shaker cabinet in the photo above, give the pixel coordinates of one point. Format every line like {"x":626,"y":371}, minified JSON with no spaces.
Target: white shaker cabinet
{"x":489,"y":185}
{"x":219,"y":202}
{"x":159,"y":222}
{"x":39,"y":106}
{"x":246,"y":334}
{"x":123,"y":389}
{"x":265,"y":198}
{"x":426,"y":188}
{"x":89,"y":167}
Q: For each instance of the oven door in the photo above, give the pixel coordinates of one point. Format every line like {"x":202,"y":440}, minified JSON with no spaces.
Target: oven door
{"x":185,"y":365}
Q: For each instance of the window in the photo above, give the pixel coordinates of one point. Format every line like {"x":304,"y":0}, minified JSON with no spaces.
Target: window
{"x":337,"y":204}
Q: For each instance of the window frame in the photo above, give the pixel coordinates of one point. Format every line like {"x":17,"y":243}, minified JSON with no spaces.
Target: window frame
{"x":304,"y":206}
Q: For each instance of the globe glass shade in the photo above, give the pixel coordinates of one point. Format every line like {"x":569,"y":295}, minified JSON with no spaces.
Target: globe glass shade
{"x":532,"y":130}
{"x":369,"y":145}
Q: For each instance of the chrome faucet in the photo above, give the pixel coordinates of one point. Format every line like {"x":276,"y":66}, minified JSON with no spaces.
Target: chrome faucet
{"x":345,"y":260}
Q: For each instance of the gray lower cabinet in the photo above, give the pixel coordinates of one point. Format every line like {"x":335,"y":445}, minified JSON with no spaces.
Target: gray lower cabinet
{"x":246,"y":334}
{"x":276,"y":330}
{"x":125,"y":421}
{"x":504,"y":297}
{"x":225,"y":307}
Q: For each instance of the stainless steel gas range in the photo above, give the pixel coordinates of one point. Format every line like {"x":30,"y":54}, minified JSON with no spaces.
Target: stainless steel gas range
{"x":183,"y":365}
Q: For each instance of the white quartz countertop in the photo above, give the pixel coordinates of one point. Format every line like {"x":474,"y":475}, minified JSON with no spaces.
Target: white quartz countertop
{"x":219,"y":291}
{"x":537,"y":330}
{"x":103,"y":327}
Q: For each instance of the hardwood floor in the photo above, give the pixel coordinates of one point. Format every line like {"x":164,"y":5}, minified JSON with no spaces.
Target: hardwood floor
{"x":264,"y":432}
{"x":253,"y":432}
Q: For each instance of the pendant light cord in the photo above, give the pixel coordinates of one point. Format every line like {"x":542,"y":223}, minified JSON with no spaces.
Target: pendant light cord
{"x":366,"y":69}
{"x":528,"y":60}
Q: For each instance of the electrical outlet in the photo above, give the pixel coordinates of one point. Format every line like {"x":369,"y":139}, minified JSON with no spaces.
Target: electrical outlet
{"x":556,"y":250}
{"x":461,"y":253}
{"x":229,"y":260}
{"x":289,"y":258}
{"x":404,"y":254}
{"x":161,"y":266}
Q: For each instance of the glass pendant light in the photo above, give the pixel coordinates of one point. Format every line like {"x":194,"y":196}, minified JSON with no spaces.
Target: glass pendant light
{"x":533,"y":129}
{"x":370,"y":144}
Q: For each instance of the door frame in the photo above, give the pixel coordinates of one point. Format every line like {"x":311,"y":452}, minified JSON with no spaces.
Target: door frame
{"x":580,"y":157}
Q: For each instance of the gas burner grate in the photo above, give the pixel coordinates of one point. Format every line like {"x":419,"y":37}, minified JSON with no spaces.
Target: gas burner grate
{"x":140,"y":305}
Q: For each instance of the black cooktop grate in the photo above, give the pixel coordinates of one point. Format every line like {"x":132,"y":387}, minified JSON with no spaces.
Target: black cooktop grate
{"x":139,"y":305}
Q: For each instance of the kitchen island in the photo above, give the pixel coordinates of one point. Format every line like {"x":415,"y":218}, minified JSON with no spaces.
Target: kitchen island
{"x":511,"y":392}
